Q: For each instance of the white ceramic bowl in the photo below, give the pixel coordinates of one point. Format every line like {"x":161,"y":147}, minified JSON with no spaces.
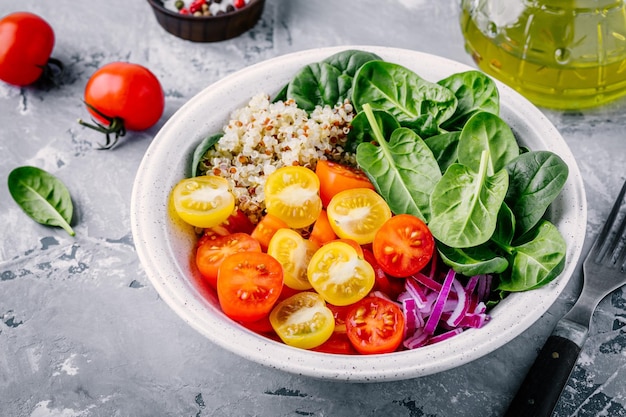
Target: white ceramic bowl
{"x":165,"y":246}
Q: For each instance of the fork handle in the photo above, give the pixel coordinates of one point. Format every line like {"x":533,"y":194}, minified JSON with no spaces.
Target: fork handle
{"x":544,"y":383}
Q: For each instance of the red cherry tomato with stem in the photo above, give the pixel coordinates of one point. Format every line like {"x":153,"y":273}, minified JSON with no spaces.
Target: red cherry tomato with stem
{"x":123,"y":96}
{"x":26,"y":42}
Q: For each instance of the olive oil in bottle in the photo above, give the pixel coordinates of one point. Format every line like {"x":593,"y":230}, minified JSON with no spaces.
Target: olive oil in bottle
{"x":561,"y":54}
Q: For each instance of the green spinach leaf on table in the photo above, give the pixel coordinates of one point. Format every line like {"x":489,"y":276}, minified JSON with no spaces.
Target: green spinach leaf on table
{"x":42,"y":196}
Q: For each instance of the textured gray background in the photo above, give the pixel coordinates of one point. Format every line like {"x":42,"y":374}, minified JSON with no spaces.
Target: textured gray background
{"x":82,"y":331}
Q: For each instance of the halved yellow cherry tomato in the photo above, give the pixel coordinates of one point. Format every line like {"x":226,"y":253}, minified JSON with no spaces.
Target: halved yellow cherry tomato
{"x":294,"y":253}
{"x":357,"y":214}
{"x":292,"y":195}
{"x":204,"y":201}
{"x":340,"y":274}
{"x":303,"y":320}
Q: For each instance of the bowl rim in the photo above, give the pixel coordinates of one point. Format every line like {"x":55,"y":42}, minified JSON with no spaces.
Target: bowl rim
{"x":394,"y":366}
{"x":157,"y":4}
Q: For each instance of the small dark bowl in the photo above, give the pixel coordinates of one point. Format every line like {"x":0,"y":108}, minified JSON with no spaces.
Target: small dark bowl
{"x":208,"y":28}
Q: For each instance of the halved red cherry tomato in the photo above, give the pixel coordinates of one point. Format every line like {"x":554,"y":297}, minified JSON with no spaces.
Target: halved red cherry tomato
{"x":262,"y":326}
{"x":204,"y":201}
{"x":403,"y":245}
{"x":294,"y":253}
{"x":237,"y":222}
{"x":303,"y":320}
{"x":322,"y":232}
{"x":266,"y":228}
{"x":335,"y":177}
{"x":248,"y":285}
{"x":26,"y":42}
{"x":212,"y":252}
{"x":357,"y":214}
{"x":338,"y":343}
{"x":375,"y":325}
{"x":339,"y":313}
{"x":339,"y":274}
{"x":292,"y":195}
{"x":390,"y":286}
{"x":123,"y":96}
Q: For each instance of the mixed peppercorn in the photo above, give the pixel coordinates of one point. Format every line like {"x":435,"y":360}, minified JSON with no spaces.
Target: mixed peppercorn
{"x":209,"y":7}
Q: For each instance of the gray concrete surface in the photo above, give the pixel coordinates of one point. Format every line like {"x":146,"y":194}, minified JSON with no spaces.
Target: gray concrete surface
{"x":82,"y":331}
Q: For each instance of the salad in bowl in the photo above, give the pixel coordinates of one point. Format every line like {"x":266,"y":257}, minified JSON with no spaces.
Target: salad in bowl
{"x":360,"y":212}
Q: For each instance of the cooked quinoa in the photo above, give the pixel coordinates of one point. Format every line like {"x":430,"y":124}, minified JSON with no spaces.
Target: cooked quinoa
{"x":265,"y":135}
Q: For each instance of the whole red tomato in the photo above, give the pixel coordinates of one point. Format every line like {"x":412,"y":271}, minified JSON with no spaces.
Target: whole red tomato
{"x":26,"y":42}
{"x":123,"y":96}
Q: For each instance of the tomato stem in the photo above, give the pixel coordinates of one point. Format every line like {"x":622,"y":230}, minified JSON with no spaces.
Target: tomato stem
{"x":115,"y":127}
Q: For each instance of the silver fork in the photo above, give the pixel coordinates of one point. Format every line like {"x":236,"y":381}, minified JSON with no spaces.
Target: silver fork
{"x":604,"y":271}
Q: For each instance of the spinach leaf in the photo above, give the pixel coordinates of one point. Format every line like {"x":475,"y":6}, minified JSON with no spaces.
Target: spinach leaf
{"x":537,"y":178}
{"x":475,"y":92}
{"x":317,"y":84}
{"x":445,"y":148}
{"x":361,"y":130}
{"x":327,"y":82}
{"x":505,"y":228}
{"x":42,"y":196}
{"x":536,"y":261}
{"x":465,"y":204}
{"x":349,"y":62}
{"x":413,"y":101}
{"x":403,"y":169}
{"x":486,"y":131}
{"x":473,"y":261}
{"x":202,"y":148}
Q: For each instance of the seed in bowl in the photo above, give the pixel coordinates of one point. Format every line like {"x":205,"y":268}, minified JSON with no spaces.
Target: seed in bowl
{"x":264,"y":136}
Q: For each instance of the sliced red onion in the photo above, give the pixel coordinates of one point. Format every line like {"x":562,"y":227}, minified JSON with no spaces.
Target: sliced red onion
{"x":461,"y":305}
{"x":419,"y":338}
{"x":415,"y":291}
{"x":434,"y":317}
{"x":427,"y":282}
{"x":484,"y":287}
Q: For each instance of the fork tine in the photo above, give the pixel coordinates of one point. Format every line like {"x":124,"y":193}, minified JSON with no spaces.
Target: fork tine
{"x":620,"y":250}
{"x":602,"y":245}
